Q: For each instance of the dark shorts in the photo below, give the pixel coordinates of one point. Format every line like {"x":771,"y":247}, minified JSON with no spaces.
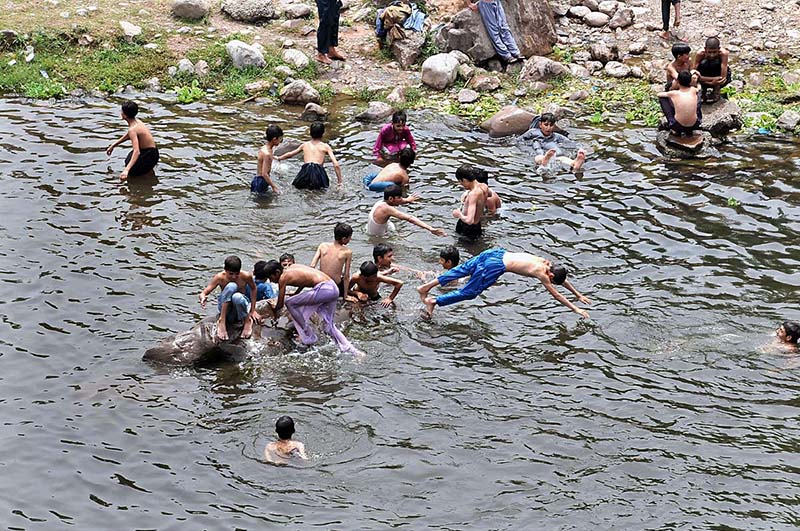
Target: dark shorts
{"x":259,"y":186}
{"x":708,"y":68}
{"x":148,"y":158}
{"x":311,"y":176}
{"x":471,"y":232}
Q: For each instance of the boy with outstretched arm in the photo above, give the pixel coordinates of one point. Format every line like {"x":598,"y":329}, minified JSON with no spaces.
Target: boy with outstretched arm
{"x":334,"y":259}
{"x":144,"y":155}
{"x":262,"y":182}
{"x":487,"y":267}
{"x":284,"y":448}
{"x":392,"y":139}
{"x":312,"y":174}
{"x":393,"y":173}
{"x":682,"y":107}
{"x":378,"y":223}
{"x":711,"y":63}
{"x":366,"y":282}
{"x":233,"y":304}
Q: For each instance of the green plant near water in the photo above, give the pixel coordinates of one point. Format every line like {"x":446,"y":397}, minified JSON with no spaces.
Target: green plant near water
{"x":596,"y":118}
{"x":44,"y":89}
{"x":428,"y":49}
{"x":733,"y":202}
{"x":562,"y":55}
{"x":326,"y":93}
{"x":190,"y":93}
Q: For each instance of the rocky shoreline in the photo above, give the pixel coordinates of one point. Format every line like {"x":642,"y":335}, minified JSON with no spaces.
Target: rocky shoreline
{"x":601,"y":60}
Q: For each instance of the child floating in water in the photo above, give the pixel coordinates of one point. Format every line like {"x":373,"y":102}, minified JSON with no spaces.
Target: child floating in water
{"x":487,"y":267}
{"x":262,"y":182}
{"x":144,"y":156}
{"x":312,"y":175}
{"x":334,"y":258}
{"x":712,"y":65}
{"x":788,"y":334}
{"x":682,"y":107}
{"x":233,"y":303}
{"x":365,"y":284}
{"x":278,"y":452}
{"x":379,"y":224}
{"x":393,"y":173}
{"x":392,"y":139}
{"x":549,"y":145}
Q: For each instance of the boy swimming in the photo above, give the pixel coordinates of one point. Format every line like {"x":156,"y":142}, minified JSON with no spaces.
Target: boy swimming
{"x":393,"y":138}
{"x":393,"y":173}
{"x":233,"y":303}
{"x":144,"y":155}
{"x":334,"y":258}
{"x":788,"y":333}
{"x":312,"y":174}
{"x":547,"y":144}
{"x":487,"y":267}
{"x":262,"y":182}
{"x":378,"y":223}
{"x":366,"y":282}
{"x":278,"y":452}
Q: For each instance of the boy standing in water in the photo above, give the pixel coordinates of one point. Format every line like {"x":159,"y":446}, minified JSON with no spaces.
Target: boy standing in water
{"x":712,"y":65}
{"x":365,"y":284}
{"x":277,"y":452}
{"x":334,"y":259}
{"x":312,"y":175}
{"x":469,"y":216}
{"x":487,"y":267}
{"x":233,"y":304}
{"x":262,"y":182}
{"x":144,"y":156}
{"x":378,"y":223}
{"x":393,"y":173}
{"x":682,"y":107}
{"x":392,"y":139}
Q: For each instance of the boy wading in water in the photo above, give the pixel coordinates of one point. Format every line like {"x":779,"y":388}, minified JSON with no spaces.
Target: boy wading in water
{"x":313,"y":175}
{"x":392,"y":139}
{"x":788,"y":334}
{"x":366,"y":282}
{"x":487,"y":267}
{"x":262,"y":182}
{"x":233,"y":304}
{"x":278,"y":452}
{"x":682,"y":107}
{"x":378,"y":223}
{"x":474,"y":203}
{"x":393,"y":173}
{"x":144,"y":156}
{"x":334,"y":259}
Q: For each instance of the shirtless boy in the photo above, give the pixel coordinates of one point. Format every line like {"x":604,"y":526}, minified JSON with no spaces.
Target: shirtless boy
{"x":493,"y":201}
{"x":471,"y":212}
{"x":365,"y":284}
{"x":144,"y":156}
{"x":334,"y":259}
{"x":712,"y":65}
{"x":393,"y":173}
{"x":680,"y":51}
{"x":233,"y":303}
{"x":682,"y":107}
{"x":382,"y":255}
{"x":262,"y":182}
{"x":320,"y":300}
{"x":487,"y":267}
{"x":278,"y":452}
{"x":312,"y":174}
{"x":286,"y":260}
{"x":378,"y":223}
{"x":789,"y":333}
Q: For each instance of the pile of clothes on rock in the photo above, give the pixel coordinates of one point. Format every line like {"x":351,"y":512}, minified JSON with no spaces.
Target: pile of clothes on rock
{"x":393,"y":21}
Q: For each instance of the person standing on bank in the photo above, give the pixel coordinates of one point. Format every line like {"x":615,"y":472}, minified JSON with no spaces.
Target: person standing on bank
{"x":328,"y":31}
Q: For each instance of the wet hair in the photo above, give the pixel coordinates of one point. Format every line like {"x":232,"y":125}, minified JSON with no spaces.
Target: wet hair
{"x":399,"y":117}
{"x":450,"y":254}
{"x":712,"y":43}
{"x":548,"y":118}
{"x":407,"y":157}
{"x":317,"y":130}
{"x":285,"y":427}
{"x":680,"y":48}
{"x":392,"y":191}
{"x":792,"y":329}
{"x":559,"y":273}
{"x":368,"y":269}
{"x":286,"y":256}
{"x":130,"y":109}
{"x":472,"y":173}
{"x":342,"y":231}
{"x":273,"y":132}
{"x":270,"y":268}
{"x":258,"y":270}
{"x":685,"y":78}
{"x":233,"y":264}
{"x":380,"y":250}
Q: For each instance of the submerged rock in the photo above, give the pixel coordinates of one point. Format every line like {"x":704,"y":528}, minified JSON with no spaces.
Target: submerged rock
{"x":667,"y":144}
{"x":510,"y":120}
{"x":314,"y":113}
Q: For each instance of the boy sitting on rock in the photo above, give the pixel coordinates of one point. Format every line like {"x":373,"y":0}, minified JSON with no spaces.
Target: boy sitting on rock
{"x":712,"y":65}
{"x":682,"y":107}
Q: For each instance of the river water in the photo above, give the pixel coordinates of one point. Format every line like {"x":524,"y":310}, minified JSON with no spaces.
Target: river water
{"x":668,"y":410}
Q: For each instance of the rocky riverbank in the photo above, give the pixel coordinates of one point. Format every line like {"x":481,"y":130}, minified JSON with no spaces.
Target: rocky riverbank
{"x":600,"y":60}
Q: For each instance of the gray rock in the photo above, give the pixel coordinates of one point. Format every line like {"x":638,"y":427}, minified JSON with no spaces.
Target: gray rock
{"x":721,"y":118}
{"x":756,"y":79}
{"x":362,"y":15}
{"x":201,"y":68}
{"x":674,"y":150}
{"x":579,"y":71}
{"x":608,"y":7}
{"x":172,"y":71}
{"x":593,"y":5}
{"x":296,"y":59}
{"x":283,"y":70}
{"x":484,"y":83}
{"x":294,"y":11}
{"x":579,"y":11}
{"x":790,"y":78}
{"x":468,"y":96}
{"x":510,"y":120}
{"x":466,"y":71}
{"x":600,"y":51}
{"x":314,"y":113}
{"x":539,"y":68}
{"x":637,"y":72}
{"x":621,"y":19}
{"x":299,"y":92}
{"x":397,"y":96}
{"x":617,"y":69}
{"x":581,"y":57}
{"x":249,"y":10}
{"x":555,"y":109}
{"x":257,"y":87}
{"x":460,"y":56}
{"x":537,"y":86}
{"x":243,"y":55}
{"x":593,"y":66}
{"x":375,"y":112}
{"x":185,"y":66}
{"x":560,"y":10}
{"x":130,"y":31}
{"x":637,"y":48}
{"x":595,"y":19}
{"x":287,"y":43}
{"x":579,"y":95}
{"x":789,"y":120}
{"x":153,"y":85}
{"x":293,"y":24}
{"x":407,"y":50}
{"x":190,"y":9}
{"x":439,"y":71}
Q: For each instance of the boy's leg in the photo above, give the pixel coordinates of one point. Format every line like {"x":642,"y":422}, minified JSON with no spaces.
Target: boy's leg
{"x":665,"y":18}
{"x":505,"y":32}
{"x":580,"y":158}
{"x":677,"y":5}
{"x":323,"y":29}
{"x":241,"y":306}
{"x":327,"y":312}
{"x":486,"y":271}
{"x":224,"y":307}
{"x":668,"y":109}
{"x":489,"y":14}
{"x":544,"y":160}
{"x":301,"y":307}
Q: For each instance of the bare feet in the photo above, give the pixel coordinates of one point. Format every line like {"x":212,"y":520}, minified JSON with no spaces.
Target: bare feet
{"x":322,"y":58}
{"x":333,"y":53}
{"x":430,"y":304}
{"x":665,"y":35}
{"x":422,"y":293}
{"x":579,"y":160}
{"x":222,"y":331}
{"x":247,"y":330}
{"x":548,"y":157}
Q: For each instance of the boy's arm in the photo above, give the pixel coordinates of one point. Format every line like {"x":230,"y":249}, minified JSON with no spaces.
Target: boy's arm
{"x":317,"y":256}
{"x":471,"y":5}
{"x":411,"y":140}
{"x":204,"y":294}
{"x":254,"y":315}
{"x":393,"y":282}
{"x":336,"y":167}
{"x":134,"y":156}
{"x":470,"y":216}
{"x":292,"y":153}
{"x":265,"y":169}
{"x":301,"y":450}
{"x":122,"y":139}
{"x":410,"y":199}
{"x":723,"y":69}
{"x":577,"y":293}
{"x":281,"y":296}
{"x":346,"y":277}
{"x":560,"y":298}
{"x":419,"y":223}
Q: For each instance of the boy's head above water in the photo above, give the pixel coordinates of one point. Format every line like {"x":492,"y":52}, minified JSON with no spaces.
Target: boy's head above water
{"x":449,"y":257}
{"x":286,"y":259}
{"x":399,"y":120}
{"x":679,"y":49}
{"x":130,"y":109}
{"x":407,"y":157}
{"x":472,"y":173}
{"x":392,"y":194}
{"x":274,"y":132}
{"x":557,"y":274}
{"x":317,"y":130}
{"x":342,"y":232}
{"x":368,"y":269}
{"x":547,"y":123}
{"x":789,"y":332}
{"x":383,"y":254}
{"x":285,"y":427}
{"x":712,"y":48}
{"x":685,"y":78}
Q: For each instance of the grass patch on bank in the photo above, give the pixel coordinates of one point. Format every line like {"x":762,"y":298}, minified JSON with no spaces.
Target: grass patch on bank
{"x":770,"y":99}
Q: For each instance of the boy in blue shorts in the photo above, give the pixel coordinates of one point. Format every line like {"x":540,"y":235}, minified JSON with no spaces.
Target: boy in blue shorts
{"x":393,"y":173}
{"x":262,"y":182}
{"x":233,"y":304}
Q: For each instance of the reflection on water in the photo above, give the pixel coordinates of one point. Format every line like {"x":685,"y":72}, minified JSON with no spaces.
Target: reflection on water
{"x":662,"y":412}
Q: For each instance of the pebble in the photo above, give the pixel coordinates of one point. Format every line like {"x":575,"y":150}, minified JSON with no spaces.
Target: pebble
{"x":12,"y":62}
{"x":769,"y":7}
{"x":82,"y":12}
{"x":64,"y":14}
{"x":150,"y":46}
{"x":183,"y":29}
{"x":755,"y":24}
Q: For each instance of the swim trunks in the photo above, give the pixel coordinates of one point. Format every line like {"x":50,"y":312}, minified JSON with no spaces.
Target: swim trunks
{"x":259,"y":186}
{"x":469,"y":231}
{"x":373,"y":186}
{"x":312,"y":176}
{"x":148,"y":158}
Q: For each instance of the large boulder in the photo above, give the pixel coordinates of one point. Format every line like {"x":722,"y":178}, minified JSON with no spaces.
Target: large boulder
{"x":531,"y":23}
{"x":243,"y":55}
{"x":294,"y":11}
{"x":789,"y":120}
{"x":667,"y":144}
{"x":539,"y":68}
{"x":510,"y":120}
{"x":376,"y":111}
{"x":621,"y":19}
{"x":721,"y":118}
{"x":439,"y":71}
{"x":249,"y":10}
{"x":190,"y":9}
{"x":407,"y":50}
{"x":299,"y":92}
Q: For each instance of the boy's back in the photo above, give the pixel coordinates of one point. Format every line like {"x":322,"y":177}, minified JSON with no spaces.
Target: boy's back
{"x":685,"y":102}
{"x":333,"y":260}
{"x":143,"y":135}
{"x":315,"y":151}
